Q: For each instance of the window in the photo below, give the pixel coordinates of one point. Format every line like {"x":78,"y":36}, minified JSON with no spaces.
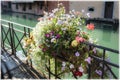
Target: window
{"x":41,"y":4}
{"x":30,"y":6}
{"x":91,"y":9}
{"x":24,"y":7}
{"x":16,"y":6}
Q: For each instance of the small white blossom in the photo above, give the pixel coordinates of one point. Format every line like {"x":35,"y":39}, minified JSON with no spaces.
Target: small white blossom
{"x":63,"y":64}
{"x":88,"y":14}
{"x":71,"y":66}
{"x":81,"y":69}
{"x":83,"y":10}
{"x":53,"y":40}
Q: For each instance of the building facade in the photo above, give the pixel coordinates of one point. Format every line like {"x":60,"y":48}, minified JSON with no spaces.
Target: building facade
{"x":97,"y":9}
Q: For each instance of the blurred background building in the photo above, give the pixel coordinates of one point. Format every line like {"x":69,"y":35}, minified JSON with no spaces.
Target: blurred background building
{"x":97,"y":9}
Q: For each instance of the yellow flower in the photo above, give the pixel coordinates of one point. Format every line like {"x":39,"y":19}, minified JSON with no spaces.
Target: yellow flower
{"x":29,"y":41}
{"x":74,"y":43}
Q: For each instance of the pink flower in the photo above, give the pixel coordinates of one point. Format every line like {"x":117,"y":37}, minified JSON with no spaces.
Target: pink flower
{"x":47,"y":35}
{"x":79,"y":39}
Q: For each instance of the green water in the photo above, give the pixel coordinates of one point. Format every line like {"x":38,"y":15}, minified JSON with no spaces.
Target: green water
{"x":106,"y":34}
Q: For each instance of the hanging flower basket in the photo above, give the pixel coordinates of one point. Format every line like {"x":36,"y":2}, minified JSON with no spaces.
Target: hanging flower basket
{"x":61,"y":36}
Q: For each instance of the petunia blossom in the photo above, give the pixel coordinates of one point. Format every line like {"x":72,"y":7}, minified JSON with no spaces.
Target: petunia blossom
{"x":57,"y":36}
{"x":90,"y":26}
{"x":99,"y":72}
{"x":47,"y":35}
{"x":77,"y":54}
{"x":88,"y":60}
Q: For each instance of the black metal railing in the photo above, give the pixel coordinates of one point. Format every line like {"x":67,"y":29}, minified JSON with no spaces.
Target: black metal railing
{"x":10,"y":34}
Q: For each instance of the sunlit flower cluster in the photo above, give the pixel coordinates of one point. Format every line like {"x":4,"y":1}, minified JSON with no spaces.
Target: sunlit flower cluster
{"x":61,"y":34}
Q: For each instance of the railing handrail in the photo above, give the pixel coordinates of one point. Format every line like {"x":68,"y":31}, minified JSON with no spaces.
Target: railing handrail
{"x":102,"y":47}
{"x":16,"y":23}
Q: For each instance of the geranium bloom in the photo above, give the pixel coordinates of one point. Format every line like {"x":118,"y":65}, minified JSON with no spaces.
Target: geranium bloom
{"x":90,"y":26}
{"x":77,"y":54}
{"x":78,"y":73}
{"x":79,"y":39}
{"x":88,"y":60}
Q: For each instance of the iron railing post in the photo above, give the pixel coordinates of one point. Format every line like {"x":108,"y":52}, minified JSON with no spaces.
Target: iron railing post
{"x":103,"y":64}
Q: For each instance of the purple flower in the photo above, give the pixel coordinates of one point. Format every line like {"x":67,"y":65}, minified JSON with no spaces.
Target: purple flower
{"x":57,"y":36}
{"x":59,"y":22}
{"x":94,"y":50}
{"x":88,"y":60}
{"x":63,"y":68}
{"x":51,"y":33}
{"x":99,"y":72}
{"x":47,"y":35}
{"x":77,"y":54}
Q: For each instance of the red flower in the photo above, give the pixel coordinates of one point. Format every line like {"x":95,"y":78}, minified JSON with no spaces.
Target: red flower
{"x":78,"y":73}
{"x":90,"y":26}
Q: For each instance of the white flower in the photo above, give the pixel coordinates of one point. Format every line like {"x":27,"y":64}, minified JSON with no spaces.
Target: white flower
{"x":55,"y":10}
{"x":83,"y":10}
{"x":64,"y":29}
{"x":52,"y":15}
{"x":81,"y":69}
{"x":53,"y":40}
{"x":88,"y":14}
{"x":63,"y":64}
{"x":71,"y":66}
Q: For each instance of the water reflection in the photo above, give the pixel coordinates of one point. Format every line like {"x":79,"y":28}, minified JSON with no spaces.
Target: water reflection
{"x":21,"y":15}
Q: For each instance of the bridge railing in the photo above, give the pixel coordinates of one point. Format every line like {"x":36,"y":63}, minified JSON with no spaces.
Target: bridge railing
{"x":13,"y":33}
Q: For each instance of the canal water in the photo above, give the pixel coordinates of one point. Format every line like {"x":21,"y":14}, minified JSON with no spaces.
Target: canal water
{"x":107,"y":35}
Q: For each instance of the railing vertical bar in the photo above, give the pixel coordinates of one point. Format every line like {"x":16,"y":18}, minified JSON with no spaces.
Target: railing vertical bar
{"x":55,"y":68}
{"x":29,"y":32}
{"x":103,"y":64}
{"x":14,"y":50}
{"x":49,"y":68}
{"x":11,"y":38}
{"x":29,"y":36}
{"x":2,"y":43}
{"x":89,"y":66}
